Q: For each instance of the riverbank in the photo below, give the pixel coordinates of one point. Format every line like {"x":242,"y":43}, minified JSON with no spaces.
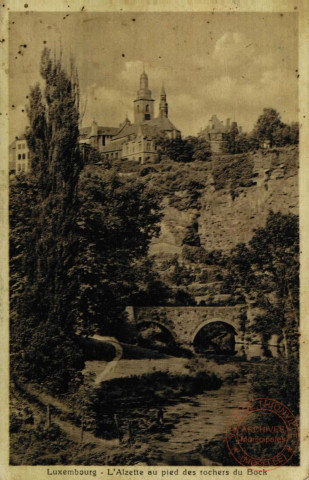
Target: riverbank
{"x":159,"y":418}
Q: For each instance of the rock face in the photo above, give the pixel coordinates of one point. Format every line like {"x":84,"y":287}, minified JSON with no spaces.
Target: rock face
{"x":228,"y":217}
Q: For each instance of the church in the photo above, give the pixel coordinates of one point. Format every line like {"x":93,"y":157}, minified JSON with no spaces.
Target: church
{"x":134,"y":141}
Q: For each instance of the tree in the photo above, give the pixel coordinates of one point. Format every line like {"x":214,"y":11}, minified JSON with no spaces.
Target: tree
{"x":184,"y":150}
{"x":230,"y":139}
{"x":268,"y":271}
{"x":267,"y":125}
{"x":116,"y":221}
{"x":42,"y":325}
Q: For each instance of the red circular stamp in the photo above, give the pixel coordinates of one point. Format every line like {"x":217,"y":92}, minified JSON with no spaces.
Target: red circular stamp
{"x":263,"y":433}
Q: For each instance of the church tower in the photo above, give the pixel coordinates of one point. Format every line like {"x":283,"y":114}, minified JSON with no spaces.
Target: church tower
{"x":143,"y":105}
{"x":163,"y":108}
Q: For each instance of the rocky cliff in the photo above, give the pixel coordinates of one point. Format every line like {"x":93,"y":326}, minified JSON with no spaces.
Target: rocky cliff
{"x":234,"y":198}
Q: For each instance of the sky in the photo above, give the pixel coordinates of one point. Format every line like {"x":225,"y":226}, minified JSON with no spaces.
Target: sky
{"x":229,"y":64}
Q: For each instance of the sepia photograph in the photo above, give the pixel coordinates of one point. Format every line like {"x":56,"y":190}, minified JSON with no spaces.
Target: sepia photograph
{"x":154,"y":305}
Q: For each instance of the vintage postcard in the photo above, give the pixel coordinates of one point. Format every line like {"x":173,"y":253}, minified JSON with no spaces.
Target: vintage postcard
{"x":154,"y":239}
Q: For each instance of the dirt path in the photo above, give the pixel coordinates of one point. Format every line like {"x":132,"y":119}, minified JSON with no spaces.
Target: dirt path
{"x":109,"y":368}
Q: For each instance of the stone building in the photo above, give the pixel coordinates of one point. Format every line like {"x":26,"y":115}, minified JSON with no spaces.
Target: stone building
{"x":96,"y":136}
{"x":19,"y":156}
{"x":134,"y":141}
{"x":216,"y":133}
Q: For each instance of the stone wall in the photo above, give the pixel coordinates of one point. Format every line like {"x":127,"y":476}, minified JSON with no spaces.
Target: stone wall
{"x":185,"y":322}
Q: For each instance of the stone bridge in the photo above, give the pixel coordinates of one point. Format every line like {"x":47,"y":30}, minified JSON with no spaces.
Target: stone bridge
{"x":184,"y":323}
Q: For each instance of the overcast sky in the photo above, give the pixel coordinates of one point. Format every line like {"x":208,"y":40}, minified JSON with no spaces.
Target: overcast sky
{"x":230,"y":64}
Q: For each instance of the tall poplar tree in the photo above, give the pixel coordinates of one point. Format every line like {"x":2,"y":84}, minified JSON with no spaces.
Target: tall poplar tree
{"x":49,"y":351}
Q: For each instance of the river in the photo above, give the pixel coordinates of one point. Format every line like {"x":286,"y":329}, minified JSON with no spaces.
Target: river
{"x":194,"y":420}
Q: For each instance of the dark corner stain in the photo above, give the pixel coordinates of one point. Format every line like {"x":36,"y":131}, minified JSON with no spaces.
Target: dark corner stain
{"x":13,"y":106}
{"x":2,"y":40}
{"x":44,"y":41}
{"x":160,"y":56}
{"x":83,"y":8}
{"x":297,"y":76}
{"x":27,"y":96}
{"x":133,"y":19}
{"x":26,"y":5}
{"x":123,"y":55}
{"x":295,"y":8}
{"x":23,"y":110}
{"x":281,"y":14}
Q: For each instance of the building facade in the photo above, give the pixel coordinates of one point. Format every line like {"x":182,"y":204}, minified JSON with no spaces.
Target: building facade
{"x":134,"y":141}
{"x":216,"y":133}
{"x":19,"y":156}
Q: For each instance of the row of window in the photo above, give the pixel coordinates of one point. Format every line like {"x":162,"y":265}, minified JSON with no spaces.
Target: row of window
{"x":112,"y":156}
{"x":21,"y":167}
{"x":21,"y":146}
{"x":23,"y":156}
{"x":134,"y":148}
{"x":146,"y":109}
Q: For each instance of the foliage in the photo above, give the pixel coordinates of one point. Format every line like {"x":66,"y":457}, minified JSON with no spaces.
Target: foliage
{"x":235,"y":171}
{"x":268,"y":270}
{"x":269,"y":127}
{"x":42,"y":341}
{"x":277,"y":379}
{"x":184,"y":150}
{"x":116,"y":221}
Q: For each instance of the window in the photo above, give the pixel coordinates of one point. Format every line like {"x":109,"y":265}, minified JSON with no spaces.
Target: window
{"x":147,"y":108}
{"x":137,"y":108}
{"x":19,"y":156}
{"x":147,"y":116}
{"x":19,"y":146}
{"x":116,"y":155}
{"x":18,"y":168}
{"x":148,"y":146}
{"x":24,"y":156}
{"x":28,"y":155}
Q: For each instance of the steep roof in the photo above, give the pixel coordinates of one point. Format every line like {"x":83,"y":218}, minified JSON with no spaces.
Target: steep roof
{"x":215,"y":126}
{"x":149,"y":128}
{"x":86,"y":131}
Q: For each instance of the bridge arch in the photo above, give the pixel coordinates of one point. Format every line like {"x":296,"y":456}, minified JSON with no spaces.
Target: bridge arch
{"x":224,"y":331}
{"x":165,"y":334}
